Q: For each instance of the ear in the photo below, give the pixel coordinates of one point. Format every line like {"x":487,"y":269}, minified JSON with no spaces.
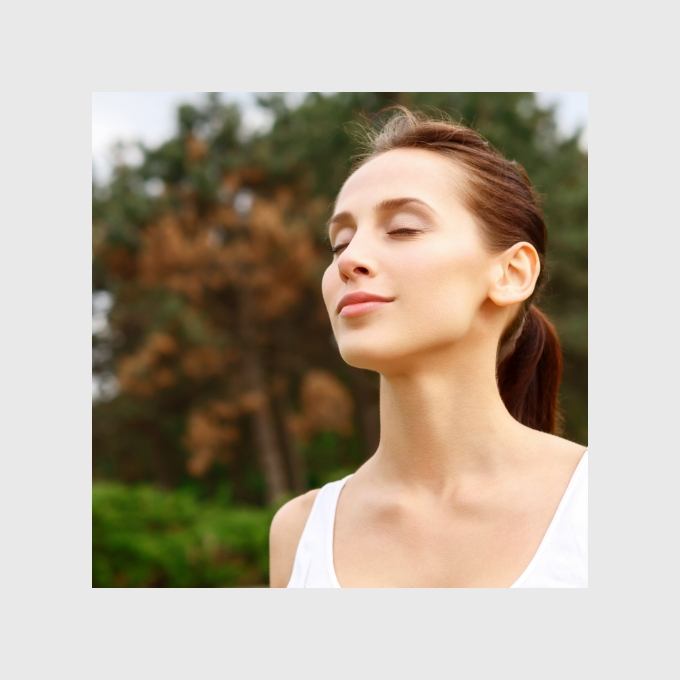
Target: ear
{"x":515,"y":272}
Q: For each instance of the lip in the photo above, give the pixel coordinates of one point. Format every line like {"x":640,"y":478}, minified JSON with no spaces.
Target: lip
{"x":360,"y":308}
{"x":360,"y":301}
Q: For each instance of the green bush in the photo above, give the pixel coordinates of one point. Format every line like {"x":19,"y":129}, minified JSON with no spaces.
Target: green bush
{"x":145,"y":537}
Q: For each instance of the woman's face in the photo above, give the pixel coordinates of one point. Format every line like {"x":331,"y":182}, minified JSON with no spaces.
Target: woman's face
{"x":438,"y":275}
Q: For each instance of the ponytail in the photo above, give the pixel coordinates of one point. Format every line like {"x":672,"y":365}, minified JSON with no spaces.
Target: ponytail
{"x":529,"y":371}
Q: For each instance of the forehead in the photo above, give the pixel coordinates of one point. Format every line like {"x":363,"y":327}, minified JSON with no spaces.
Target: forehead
{"x":402,"y":172}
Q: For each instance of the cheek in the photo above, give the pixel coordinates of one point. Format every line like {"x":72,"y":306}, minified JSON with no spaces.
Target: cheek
{"x":327,"y":285}
{"x":446,"y":285}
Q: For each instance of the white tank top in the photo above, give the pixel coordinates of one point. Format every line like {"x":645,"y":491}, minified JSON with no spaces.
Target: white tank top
{"x":561,"y":560}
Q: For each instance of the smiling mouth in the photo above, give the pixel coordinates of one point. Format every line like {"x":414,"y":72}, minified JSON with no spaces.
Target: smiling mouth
{"x":361,"y":308}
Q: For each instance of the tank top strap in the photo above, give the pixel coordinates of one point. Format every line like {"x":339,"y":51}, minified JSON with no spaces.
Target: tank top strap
{"x":562,"y":556}
{"x":322,"y":515}
{"x":313,"y":565}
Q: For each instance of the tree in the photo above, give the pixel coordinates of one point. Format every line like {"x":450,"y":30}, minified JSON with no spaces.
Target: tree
{"x":212,"y":250}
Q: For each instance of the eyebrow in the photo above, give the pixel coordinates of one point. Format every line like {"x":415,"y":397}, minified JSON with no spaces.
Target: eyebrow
{"x":384,"y":206}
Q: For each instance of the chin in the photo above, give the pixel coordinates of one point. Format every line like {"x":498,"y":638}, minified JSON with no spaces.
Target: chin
{"x":376,"y":358}
{"x":359,"y":353}
{"x":360,"y":361}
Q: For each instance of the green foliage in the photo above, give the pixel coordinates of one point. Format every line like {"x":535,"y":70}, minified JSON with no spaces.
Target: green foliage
{"x":145,"y":537}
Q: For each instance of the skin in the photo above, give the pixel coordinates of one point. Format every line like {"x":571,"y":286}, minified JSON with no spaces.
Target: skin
{"x":434,"y":346}
{"x":455,"y":478}
{"x":458,"y":493}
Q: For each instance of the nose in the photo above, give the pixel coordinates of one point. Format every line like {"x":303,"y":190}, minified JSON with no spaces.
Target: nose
{"x":355,"y":259}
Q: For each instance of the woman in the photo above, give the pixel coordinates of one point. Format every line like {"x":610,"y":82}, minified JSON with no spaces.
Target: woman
{"x":438,"y":256}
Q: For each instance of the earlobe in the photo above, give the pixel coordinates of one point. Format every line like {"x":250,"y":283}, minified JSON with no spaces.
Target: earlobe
{"x":515,"y":274}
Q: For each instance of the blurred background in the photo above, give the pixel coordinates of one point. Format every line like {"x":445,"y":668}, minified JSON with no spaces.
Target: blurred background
{"x":218,"y":391}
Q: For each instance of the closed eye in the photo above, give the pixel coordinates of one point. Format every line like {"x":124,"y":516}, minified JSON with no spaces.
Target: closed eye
{"x":396,"y":231}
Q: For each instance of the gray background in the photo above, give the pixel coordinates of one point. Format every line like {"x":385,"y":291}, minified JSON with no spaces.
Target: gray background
{"x":621,"y":626}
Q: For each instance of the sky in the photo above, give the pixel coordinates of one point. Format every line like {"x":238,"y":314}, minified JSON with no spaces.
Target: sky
{"x":150,"y":117}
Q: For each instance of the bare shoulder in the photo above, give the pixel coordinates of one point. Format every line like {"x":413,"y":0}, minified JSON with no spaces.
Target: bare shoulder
{"x":561,"y":449}
{"x":573,"y":449}
{"x":284,"y":535}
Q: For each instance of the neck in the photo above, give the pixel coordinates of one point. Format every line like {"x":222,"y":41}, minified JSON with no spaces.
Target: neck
{"x":445,"y":422}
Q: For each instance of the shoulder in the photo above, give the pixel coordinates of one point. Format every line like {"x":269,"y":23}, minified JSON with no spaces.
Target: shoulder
{"x":284,"y":535}
{"x":552,"y":461}
{"x":559,"y":448}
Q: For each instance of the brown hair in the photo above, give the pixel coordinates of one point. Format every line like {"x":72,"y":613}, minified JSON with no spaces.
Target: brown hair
{"x":500,"y":195}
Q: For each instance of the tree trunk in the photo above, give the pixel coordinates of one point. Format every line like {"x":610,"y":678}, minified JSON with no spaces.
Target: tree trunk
{"x":266,"y":443}
{"x":269,"y":454}
{"x":297,"y":463}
